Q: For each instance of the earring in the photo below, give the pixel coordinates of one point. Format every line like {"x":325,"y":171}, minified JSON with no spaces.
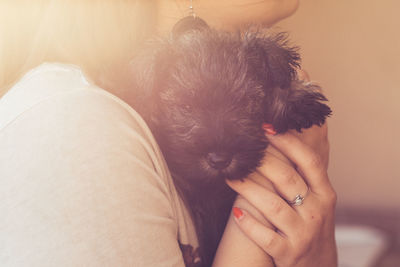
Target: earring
{"x":189,"y":23}
{"x":191,"y":10}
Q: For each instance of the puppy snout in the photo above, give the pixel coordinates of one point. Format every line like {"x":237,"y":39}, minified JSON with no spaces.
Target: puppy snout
{"x":218,"y":160}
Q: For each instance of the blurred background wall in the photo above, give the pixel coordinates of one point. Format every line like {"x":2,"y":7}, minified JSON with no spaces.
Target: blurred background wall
{"x":352,"y":49}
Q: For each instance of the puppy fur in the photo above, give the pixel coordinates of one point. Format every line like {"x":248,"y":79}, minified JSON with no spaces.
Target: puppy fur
{"x":205,"y":95}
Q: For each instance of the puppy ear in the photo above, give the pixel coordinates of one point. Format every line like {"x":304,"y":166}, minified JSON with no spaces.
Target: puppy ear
{"x":271,"y":58}
{"x":289,"y":103}
{"x":299,"y":107}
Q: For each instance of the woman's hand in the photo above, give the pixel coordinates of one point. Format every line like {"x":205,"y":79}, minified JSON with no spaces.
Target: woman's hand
{"x":304,"y":234}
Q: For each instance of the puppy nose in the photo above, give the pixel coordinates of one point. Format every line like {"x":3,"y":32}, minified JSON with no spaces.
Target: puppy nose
{"x":219,"y":160}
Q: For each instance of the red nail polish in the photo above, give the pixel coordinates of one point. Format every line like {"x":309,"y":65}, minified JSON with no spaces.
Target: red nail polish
{"x":269,"y":128}
{"x":238,"y":213}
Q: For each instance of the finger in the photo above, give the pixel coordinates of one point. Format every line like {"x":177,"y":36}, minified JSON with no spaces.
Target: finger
{"x":308,"y":205}
{"x":317,"y":138}
{"x":271,"y":205}
{"x":270,"y":241}
{"x":309,"y":164}
{"x":284,"y":177}
{"x":260,"y":179}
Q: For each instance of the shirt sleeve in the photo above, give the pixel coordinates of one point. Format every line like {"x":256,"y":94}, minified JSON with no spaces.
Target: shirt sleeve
{"x":82,"y":183}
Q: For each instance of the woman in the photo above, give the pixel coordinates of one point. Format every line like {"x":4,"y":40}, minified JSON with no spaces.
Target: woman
{"x":82,"y":180}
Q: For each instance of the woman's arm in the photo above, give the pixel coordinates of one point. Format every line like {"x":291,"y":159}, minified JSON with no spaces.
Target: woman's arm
{"x":82,"y":185}
{"x":236,"y":249}
{"x":304,"y":234}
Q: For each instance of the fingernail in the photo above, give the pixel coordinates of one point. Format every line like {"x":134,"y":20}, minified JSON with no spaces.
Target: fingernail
{"x":269,"y":129}
{"x":238,"y":213}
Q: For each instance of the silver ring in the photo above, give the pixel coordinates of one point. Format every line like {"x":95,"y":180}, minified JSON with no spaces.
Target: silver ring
{"x":299,"y":199}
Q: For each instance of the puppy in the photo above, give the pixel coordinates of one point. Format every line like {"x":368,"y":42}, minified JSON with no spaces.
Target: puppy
{"x":205,"y":95}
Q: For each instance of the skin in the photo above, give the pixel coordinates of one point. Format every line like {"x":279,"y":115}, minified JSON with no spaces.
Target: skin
{"x":271,"y":232}
{"x":291,"y":235}
{"x":225,"y":14}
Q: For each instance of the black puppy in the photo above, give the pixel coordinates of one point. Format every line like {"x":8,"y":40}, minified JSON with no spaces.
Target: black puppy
{"x":205,"y":94}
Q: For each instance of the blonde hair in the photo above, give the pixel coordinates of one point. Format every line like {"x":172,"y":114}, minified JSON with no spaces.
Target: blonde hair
{"x":94,"y":34}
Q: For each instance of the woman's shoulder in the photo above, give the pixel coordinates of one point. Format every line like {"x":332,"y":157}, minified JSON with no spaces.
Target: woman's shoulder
{"x":82,"y":149}
{"x":41,"y":83}
{"x":56,"y":100}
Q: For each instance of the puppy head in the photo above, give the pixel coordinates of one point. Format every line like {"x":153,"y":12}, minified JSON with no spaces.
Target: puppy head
{"x":206,"y":94}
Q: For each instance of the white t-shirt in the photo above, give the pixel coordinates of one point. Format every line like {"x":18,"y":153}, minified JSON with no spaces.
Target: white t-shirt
{"x":82,"y":180}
